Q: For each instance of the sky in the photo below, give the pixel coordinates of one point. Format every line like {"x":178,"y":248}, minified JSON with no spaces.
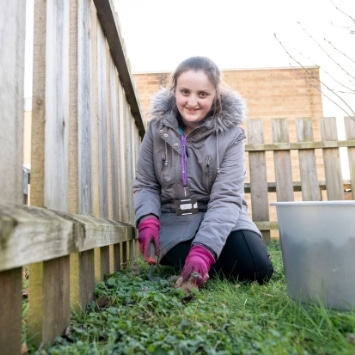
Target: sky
{"x":239,"y":34}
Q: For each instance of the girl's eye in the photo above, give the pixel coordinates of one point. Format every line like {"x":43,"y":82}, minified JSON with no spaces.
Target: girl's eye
{"x":184,"y":92}
{"x":203,"y":94}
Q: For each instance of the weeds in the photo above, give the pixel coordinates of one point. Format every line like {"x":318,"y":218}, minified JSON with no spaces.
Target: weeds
{"x":132,"y":315}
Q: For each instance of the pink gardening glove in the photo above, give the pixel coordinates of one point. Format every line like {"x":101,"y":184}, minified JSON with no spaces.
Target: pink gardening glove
{"x":148,"y":232}
{"x":198,"y":263}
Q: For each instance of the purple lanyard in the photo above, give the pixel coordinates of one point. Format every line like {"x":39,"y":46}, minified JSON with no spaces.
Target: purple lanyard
{"x":184,"y":160}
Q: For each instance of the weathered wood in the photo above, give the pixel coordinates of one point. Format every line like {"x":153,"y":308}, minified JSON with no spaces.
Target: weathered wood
{"x":50,"y":234}
{"x":267,"y":225}
{"x":331,"y":158}
{"x":12,"y":39}
{"x":94,"y":112}
{"x":38,"y":103}
{"x":324,"y":144}
{"x":10,"y":311}
{"x":122,"y":176}
{"x":105,"y":262}
{"x":36,"y":235}
{"x":102,"y":123}
{"x":87,"y":278}
{"x":350,"y":134}
{"x":117,"y":257}
{"x":258,"y":179}
{"x":56,"y":298}
{"x":35,"y":302}
{"x":282,"y":161}
{"x":114,"y":142}
{"x":84,"y":193}
{"x":297,"y":186}
{"x":56,"y":151}
{"x":307,"y":162}
{"x":109,"y":24}
{"x":92,"y":232}
{"x":74,"y":84}
{"x":110,"y":101}
{"x":76,"y":164}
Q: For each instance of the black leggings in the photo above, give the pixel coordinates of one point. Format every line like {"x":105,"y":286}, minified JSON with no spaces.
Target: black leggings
{"x":244,"y":258}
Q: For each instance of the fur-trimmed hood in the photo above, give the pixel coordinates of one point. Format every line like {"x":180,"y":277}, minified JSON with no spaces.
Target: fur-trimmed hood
{"x":233,"y":110}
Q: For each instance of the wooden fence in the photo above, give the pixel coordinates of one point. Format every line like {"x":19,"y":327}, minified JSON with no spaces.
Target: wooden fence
{"x":317,"y":165}
{"x":86,"y":132}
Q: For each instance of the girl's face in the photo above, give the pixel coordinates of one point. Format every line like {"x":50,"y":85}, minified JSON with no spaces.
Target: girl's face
{"x":194,"y":95}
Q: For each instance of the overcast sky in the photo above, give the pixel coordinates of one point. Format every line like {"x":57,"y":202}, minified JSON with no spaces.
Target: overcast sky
{"x":235,"y":33}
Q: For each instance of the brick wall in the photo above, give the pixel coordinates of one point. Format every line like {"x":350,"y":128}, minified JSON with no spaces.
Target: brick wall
{"x":269,"y":93}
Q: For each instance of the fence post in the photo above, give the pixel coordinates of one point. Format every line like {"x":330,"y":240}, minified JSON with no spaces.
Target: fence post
{"x":331,"y":156}
{"x":282,"y":161}
{"x":307,"y":162}
{"x":12,"y":39}
{"x":350,"y":134}
{"x":258,"y":179}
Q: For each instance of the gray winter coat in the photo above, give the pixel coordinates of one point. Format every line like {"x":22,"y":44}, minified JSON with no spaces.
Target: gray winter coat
{"x":215,"y":175}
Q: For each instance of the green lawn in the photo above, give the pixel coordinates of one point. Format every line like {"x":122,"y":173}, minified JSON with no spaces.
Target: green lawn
{"x":133,"y":315}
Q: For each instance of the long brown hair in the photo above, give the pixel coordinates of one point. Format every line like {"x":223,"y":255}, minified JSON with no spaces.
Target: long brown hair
{"x":209,"y":68}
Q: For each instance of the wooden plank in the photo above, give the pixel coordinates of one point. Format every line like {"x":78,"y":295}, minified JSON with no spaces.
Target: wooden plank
{"x":87,"y":278}
{"x":282,"y":161}
{"x":108,"y":143}
{"x":324,"y":144}
{"x":122,"y":180}
{"x":331,"y":157}
{"x":11,"y":311}
{"x":84,"y":193}
{"x":82,"y":279}
{"x":267,"y":225}
{"x":102,"y":124}
{"x":124,"y":254}
{"x":56,"y":150}
{"x":307,"y":162}
{"x":38,"y":103}
{"x":114,"y":146}
{"x":37,"y":234}
{"x":12,"y":39}
{"x":56,"y":292}
{"x":35,"y":301}
{"x":105,"y":262}
{"x":73,"y":108}
{"x":92,"y":232}
{"x":117,"y":257}
{"x":94,"y":113}
{"x":258,"y":179}
{"x":50,"y":234}
{"x":349,"y":123}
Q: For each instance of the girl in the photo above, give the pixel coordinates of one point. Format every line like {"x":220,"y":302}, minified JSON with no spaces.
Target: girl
{"x":189,"y":186}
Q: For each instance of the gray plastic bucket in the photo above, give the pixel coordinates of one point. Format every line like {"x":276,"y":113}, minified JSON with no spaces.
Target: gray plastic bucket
{"x":318,"y":251}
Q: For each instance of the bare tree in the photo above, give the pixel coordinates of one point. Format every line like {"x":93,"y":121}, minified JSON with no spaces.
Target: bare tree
{"x":338,"y":77}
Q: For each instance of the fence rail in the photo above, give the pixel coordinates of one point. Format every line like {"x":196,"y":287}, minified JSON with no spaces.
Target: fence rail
{"x":86,"y":131}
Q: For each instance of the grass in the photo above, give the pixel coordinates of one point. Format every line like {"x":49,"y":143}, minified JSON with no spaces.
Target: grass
{"x":132,"y":315}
